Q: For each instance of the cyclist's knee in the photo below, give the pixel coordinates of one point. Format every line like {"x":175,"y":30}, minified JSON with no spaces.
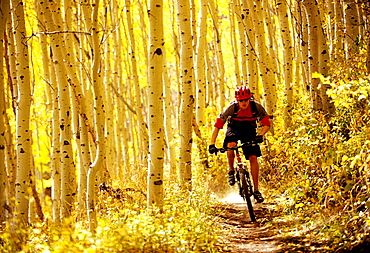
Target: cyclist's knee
{"x":253,"y":159}
{"x":231,"y":144}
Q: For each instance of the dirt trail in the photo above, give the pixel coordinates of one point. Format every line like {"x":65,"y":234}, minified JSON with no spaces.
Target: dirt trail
{"x":244,"y":235}
{"x":264,"y":236}
{"x":258,"y":237}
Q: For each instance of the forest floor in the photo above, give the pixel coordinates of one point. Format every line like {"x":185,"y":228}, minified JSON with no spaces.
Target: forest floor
{"x":266,"y":235}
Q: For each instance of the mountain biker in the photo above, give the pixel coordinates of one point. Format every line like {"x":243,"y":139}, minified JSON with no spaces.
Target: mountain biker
{"x":242,"y":116}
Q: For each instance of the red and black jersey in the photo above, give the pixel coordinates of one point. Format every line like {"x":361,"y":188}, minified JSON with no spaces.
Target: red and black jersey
{"x":254,"y":112}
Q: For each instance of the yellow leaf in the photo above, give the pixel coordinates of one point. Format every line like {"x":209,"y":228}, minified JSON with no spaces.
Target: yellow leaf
{"x":344,"y":158}
{"x":299,"y":205}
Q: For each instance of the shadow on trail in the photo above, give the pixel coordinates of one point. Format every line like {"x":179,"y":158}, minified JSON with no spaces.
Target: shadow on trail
{"x":261,"y":236}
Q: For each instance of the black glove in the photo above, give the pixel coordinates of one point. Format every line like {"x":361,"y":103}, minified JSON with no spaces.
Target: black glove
{"x":212,"y":149}
{"x":259,"y":138}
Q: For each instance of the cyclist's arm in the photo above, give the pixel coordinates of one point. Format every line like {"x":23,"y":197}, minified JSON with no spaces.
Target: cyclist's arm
{"x":214,"y":135}
{"x":221,"y":120}
{"x":264,"y":130}
{"x":265,"y":122}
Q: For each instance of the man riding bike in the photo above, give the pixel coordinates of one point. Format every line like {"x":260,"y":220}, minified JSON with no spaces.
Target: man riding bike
{"x":242,"y":116}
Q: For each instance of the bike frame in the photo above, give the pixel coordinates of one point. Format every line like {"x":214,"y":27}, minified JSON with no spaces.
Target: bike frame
{"x":240,"y":172}
{"x":243,"y":177}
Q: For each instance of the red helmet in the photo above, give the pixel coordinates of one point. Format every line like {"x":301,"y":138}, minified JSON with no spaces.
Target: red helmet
{"x":242,"y":92}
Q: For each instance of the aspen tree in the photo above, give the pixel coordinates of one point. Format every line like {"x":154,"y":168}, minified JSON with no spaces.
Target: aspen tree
{"x":338,"y":33}
{"x":169,"y":120}
{"x":210,"y":89}
{"x":176,"y":46}
{"x":81,"y":92}
{"x":65,"y":54}
{"x":352,"y":24}
{"x":46,"y":63}
{"x":298,"y":75}
{"x":201,"y":80}
{"x":100,"y":157}
{"x":129,"y":117}
{"x":328,"y":7}
{"x":55,"y":152}
{"x":119,"y":134}
{"x":187,"y":97}
{"x":302,"y":45}
{"x":286,"y":34}
{"x":201,"y":65}
{"x":234,"y":10}
{"x":10,"y":54}
{"x":55,"y":129}
{"x":194,"y":30}
{"x":319,"y":59}
{"x":156,"y":128}
{"x":81,"y":114}
{"x":218,"y":49}
{"x":251,"y":76}
{"x":24,"y":151}
{"x":265,"y":63}
{"x":111,"y":165}
{"x":4,"y":6}
{"x":52,"y":100}
{"x":67,"y":173}
{"x":142,"y":6}
{"x":143,"y":143}
{"x":313,"y":27}
{"x":324,"y":59}
{"x":10,"y":161}
{"x":12,"y":95}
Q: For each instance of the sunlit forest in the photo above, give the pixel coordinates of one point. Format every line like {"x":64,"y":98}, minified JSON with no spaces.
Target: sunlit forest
{"x":107,"y":109}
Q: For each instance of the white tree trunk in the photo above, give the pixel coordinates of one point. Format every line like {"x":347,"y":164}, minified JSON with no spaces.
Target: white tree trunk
{"x":187,"y":97}
{"x":24,"y":151}
{"x":155,"y":118}
{"x":287,"y":40}
{"x":143,"y":148}
{"x":67,"y":181}
{"x":4,"y":10}
{"x":201,"y":65}
{"x":99,"y":161}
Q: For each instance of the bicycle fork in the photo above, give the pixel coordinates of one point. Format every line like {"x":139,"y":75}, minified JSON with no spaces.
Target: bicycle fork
{"x":245,"y":173}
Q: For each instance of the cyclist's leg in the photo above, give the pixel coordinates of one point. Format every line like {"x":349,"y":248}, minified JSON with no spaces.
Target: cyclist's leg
{"x":254,"y":170}
{"x":231,"y":155}
{"x":230,"y":141}
{"x":255,"y":176}
{"x":230,"y":158}
{"x":251,"y":154}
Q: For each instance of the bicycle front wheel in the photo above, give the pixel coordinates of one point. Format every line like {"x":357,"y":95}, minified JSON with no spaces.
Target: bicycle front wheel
{"x":247,"y":196}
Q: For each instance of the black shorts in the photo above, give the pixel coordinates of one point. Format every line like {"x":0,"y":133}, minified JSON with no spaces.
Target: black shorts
{"x":243,"y":134}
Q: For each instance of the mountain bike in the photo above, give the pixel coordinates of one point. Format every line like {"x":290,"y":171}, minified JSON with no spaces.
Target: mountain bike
{"x":242,"y":177}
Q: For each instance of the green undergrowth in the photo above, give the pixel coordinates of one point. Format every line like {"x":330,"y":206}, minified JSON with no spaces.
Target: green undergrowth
{"x":321,"y":171}
{"x":186,"y":224}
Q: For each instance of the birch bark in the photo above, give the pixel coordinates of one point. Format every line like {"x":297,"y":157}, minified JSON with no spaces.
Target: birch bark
{"x":187,"y":97}
{"x":4,"y":10}
{"x":156,"y":115}
{"x":201,"y":65}
{"x":218,"y":48}
{"x":99,"y":161}
{"x":287,"y":39}
{"x":66,"y":182}
{"x":143,"y":143}
{"x":265,"y":63}
{"x":23,"y":139}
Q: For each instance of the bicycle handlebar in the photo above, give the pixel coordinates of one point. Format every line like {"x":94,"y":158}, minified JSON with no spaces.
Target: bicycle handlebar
{"x":245,"y":144}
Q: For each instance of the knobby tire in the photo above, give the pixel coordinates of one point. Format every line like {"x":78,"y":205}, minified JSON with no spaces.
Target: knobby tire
{"x":247,"y":197}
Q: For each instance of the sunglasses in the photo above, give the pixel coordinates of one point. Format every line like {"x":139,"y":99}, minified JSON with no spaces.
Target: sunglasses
{"x":243,"y":100}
